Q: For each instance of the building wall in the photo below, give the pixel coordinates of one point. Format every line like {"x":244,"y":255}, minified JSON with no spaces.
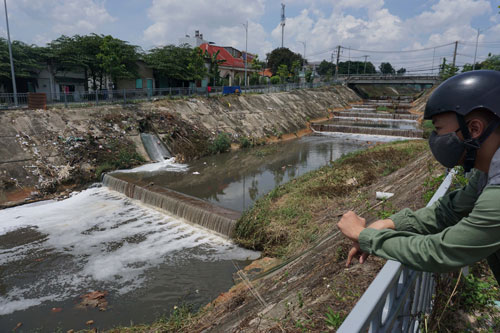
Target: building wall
{"x":141,"y":82}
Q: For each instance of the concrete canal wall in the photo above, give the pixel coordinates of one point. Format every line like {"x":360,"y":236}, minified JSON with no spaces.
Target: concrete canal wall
{"x":44,"y":151}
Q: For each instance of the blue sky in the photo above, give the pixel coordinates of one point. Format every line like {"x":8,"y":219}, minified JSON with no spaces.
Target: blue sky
{"x":368,"y":25}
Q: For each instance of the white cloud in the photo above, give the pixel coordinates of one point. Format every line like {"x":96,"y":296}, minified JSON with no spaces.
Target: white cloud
{"x":62,"y":16}
{"x":173,"y":19}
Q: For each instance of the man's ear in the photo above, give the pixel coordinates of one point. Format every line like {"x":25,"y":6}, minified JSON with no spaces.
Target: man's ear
{"x":476,"y":127}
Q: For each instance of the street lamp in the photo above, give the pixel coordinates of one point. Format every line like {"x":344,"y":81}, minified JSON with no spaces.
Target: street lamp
{"x":14,"y":88}
{"x":246,"y":49}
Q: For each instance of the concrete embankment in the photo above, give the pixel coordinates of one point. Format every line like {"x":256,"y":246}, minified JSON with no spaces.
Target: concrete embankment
{"x":44,"y":151}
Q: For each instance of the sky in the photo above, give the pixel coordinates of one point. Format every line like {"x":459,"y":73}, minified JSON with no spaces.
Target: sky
{"x":425,"y":30}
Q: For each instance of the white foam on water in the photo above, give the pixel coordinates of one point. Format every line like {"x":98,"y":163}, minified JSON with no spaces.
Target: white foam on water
{"x":166,"y":165}
{"x":96,"y":239}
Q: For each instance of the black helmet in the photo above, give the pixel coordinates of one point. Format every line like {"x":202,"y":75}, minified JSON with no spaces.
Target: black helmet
{"x":466,"y":92}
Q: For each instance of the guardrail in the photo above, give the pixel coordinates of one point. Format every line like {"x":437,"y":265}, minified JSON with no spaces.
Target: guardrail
{"x":398,"y":296}
{"x":135,"y":95}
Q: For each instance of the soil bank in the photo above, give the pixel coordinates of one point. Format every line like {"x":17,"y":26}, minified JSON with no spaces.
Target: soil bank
{"x":44,"y":152}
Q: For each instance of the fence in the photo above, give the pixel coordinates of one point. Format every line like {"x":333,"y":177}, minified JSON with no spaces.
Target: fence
{"x":135,"y":95}
{"x":398,"y":297}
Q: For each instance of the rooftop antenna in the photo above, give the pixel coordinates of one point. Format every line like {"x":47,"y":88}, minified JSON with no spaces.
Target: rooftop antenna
{"x":282,"y":23}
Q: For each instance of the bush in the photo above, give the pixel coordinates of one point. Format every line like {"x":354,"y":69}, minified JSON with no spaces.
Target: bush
{"x":221,"y":144}
{"x":275,"y":80}
{"x":245,"y":142}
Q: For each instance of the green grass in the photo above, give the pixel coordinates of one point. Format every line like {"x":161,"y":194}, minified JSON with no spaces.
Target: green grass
{"x":282,"y":222}
{"x":427,"y":127}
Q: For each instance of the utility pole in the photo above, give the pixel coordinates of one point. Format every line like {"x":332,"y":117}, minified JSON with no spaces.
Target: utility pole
{"x":475,"y":53}
{"x":337,"y":66}
{"x":433,"y":55}
{"x":246,"y":50}
{"x":282,"y":24}
{"x":349,"y":63}
{"x":366,"y":56}
{"x":304,"y":61}
{"x":454,"y":56}
{"x":14,"y":88}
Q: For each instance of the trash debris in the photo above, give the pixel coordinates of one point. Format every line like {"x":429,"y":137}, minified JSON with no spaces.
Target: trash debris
{"x":17,"y":326}
{"x":95,"y":299}
{"x":196,"y":173}
{"x":89,"y":322}
{"x":383,"y":195}
{"x":56,"y":310}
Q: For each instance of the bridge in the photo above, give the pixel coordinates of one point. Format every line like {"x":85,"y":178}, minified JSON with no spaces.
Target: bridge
{"x":391,"y":79}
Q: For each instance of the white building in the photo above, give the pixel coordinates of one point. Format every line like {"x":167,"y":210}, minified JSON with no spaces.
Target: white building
{"x":195,"y":41}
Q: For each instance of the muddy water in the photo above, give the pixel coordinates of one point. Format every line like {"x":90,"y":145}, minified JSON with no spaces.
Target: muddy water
{"x":52,"y":253}
{"x":237,"y":179}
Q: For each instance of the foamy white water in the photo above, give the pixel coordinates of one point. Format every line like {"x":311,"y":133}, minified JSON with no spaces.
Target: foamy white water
{"x":96,"y":239}
{"x":166,"y":165}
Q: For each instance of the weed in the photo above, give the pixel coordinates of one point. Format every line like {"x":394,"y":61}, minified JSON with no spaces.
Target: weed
{"x":333,"y":319}
{"x":430,"y":186}
{"x":386,"y":210}
{"x":221,"y":144}
{"x":427,"y":127}
{"x":245,"y":142}
{"x":300,"y":299}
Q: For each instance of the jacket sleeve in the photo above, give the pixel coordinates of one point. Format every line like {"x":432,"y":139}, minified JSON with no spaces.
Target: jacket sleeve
{"x":445,"y":212}
{"x":473,"y":238}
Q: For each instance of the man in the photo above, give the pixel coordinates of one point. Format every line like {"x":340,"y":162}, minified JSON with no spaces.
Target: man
{"x":463,"y":226}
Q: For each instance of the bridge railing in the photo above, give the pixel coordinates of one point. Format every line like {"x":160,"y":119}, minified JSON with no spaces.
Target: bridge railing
{"x":398,"y":296}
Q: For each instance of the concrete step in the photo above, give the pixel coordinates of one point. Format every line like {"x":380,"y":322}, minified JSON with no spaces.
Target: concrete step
{"x":367,"y":130}
{"x":358,"y":114}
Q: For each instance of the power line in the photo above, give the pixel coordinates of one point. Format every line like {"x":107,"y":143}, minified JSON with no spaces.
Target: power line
{"x":402,"y":51}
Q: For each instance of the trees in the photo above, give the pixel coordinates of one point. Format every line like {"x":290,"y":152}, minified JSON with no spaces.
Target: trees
{"x":95,"y":55}
{"x":401,"y":71}
{"x":282,"y":56}
{"x":117,"y":58}
{"x":283,"y":72}
{"x":27,"y":62}
{"x":492,"y":62}
{"x":325,"y":67}
{"x":177,"y":64}
{"x":386,"y":68}
{"x":447,"y":70}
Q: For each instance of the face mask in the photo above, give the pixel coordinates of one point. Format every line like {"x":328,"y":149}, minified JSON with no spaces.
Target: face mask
{"x":446,"y":148}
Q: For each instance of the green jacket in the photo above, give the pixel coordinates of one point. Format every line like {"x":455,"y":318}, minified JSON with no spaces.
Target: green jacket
{"x":457,"y":230}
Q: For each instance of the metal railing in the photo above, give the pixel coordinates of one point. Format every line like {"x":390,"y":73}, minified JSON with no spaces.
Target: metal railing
{"x":136,"y":95}
{"x":398,"y":296}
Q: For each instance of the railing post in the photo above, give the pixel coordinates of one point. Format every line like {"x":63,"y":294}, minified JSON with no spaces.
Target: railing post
{"x":124,"y":96}
{"x":65,"y":99}
{"x":96,"y":98}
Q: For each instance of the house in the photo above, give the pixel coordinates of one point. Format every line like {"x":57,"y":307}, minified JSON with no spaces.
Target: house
{"x":144,"y":80}
{"x":232,"y":70}
{"x":54,"y":83}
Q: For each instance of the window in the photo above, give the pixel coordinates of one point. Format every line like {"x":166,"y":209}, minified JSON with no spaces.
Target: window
{"x":138,"y":84}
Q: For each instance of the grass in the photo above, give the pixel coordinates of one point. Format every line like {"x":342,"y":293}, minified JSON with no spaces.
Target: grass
{"x":471,"y":307}
{"x":427,"y":127}
{"x":117,"y":156}
{"x":282,"y":222}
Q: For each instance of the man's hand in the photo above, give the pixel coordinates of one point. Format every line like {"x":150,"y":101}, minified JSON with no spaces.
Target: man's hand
{"x":356,"y":252}
{"x":351,"y":225}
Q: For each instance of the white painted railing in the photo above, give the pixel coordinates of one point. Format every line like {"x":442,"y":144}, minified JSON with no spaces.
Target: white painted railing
{"x":398,"y":296}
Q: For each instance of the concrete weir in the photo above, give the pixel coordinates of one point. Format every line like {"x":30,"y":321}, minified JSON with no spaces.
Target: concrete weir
{"x":366,"y":130}
{"x":193,"y":210}
{"x":366,"y":119}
